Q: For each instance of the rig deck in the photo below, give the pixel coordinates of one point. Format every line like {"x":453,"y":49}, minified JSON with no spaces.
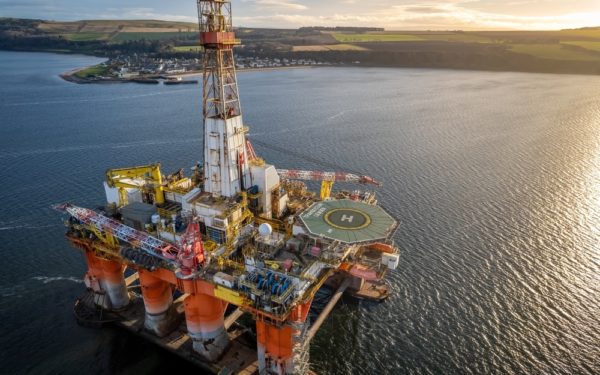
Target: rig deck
{"x":236,"y":232}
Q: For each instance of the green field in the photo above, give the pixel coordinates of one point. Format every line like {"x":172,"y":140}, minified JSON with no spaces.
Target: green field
{"x":592,"y":46}
{"x":92,"y":71}
{"x":125,"y":37}
{"x":574,"y":50}
{"x":456,"y":37}
{"x":86,"y":37}
{"x":552,"y":51}
{"x":188,"y":48}
{"x":112,"y":26}
{"x":459,"y":37}
{"x":329,"y":47}
{"x":374,"y":37}
{"x":525,"y":42}
{"x":585,"y":33}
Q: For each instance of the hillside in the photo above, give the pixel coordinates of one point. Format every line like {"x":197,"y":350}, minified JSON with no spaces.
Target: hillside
{"x":564,"y":51}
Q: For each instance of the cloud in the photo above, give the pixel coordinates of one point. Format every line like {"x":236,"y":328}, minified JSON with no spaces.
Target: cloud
{"x":147,"y":13}
{"x":446,"y":17}
{"x":425,"y":9}
{"x":280,"y":4}
{"x":391,"y":14}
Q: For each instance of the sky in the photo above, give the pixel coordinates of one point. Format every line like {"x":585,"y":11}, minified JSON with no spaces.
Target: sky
{"x":391,"y":14}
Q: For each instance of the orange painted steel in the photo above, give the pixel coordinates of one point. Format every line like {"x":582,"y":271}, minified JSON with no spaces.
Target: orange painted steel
{"x":161,"y":317}
{"x":300,"y":312}
{"x":205,"y":322}
{"x":157,"y":293}
{"x":191,"y":286}
{"x":106,"y":276}
{"x":223,"y":39}
{"x":204,"y":313}
{"x":277,"y":341}
{"x":103,"y":268}
{"x":382,"y":247}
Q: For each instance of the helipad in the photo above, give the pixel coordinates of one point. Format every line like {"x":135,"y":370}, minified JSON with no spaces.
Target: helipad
{"x":348,"y":221}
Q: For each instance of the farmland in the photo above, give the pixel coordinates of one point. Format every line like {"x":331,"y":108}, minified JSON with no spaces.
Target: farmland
{"x":591,"y":46}
{"x":188,"y":48}
{"x":329,"y":47}
{"x":92,"y":71}
{"x":560,"y":51}
{"x":129,"y":36}
{"x":86,"y":36}
{"x":550,"y":45}
{"x":374,"y":37}
{"x":410,"y":36}
{"x":553,"y":52}
{"x":112,"y":26}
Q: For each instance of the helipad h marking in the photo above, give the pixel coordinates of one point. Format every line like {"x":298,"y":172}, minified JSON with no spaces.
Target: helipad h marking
{"x":347,"y":219}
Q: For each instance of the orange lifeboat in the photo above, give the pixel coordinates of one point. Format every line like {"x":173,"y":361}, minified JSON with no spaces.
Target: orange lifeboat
{"x":382,"y":248}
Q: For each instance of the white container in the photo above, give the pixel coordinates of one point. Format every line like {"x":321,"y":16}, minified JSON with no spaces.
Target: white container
{"x":390,"y":260}
{"x":224,"y":279}
{"x":112,"y":194}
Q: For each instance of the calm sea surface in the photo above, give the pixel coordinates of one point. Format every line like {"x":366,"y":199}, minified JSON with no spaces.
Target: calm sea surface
{"x":494,"y":176}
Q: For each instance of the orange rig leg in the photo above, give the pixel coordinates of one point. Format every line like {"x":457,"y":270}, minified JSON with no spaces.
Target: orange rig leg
{"x":204,"y":318}
{"x":282,"y":349}
{"x":105,"y":278}
{"x":161,"y":319}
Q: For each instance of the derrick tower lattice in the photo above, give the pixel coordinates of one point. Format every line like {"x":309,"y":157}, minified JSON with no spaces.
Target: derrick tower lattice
{"x":225,"y":156}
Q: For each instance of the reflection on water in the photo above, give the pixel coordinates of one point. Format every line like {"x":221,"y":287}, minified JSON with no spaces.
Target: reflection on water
{"x":494,"y":176}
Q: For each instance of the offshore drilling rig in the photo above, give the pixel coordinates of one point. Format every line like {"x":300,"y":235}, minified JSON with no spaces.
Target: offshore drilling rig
{"x":178,"y":259}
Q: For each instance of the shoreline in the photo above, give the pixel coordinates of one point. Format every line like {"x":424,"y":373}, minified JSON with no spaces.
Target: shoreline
{"x":71,"y":75}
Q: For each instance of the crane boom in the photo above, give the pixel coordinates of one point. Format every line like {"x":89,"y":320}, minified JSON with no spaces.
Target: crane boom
{"x":294,"y":174}
{"x":122,"y":178}
{"x":150,"y":245}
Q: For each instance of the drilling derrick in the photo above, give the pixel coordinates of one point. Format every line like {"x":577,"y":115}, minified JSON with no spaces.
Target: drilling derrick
{"x":225,"y":160}
{"x":177,"y":260}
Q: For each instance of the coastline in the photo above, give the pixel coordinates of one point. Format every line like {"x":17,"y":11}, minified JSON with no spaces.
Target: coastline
{"x":71,"y":75}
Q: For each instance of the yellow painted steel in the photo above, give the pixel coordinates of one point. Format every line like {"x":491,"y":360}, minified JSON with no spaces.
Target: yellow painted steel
{"x":230,"y":296}
{"x":273,"y":264}
{"x":181,"y":186}
{"x":115,"y":177}
{"x":105,"y":237}
{"x":277,"y":225}
{"x":233,"y":229}
{"x":326,"y":187}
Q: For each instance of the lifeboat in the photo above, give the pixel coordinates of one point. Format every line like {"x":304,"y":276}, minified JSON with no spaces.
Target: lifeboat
{"x":382,"y":248}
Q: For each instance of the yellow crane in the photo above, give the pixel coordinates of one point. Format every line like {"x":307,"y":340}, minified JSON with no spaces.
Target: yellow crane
{"x":124,"y":178}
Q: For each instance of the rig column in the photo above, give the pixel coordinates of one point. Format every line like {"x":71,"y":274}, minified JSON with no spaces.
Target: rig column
{"x":106,"y":279}
{"x":204,"y":316}
{"x":160,"y":318}
{"x":284,"y":349}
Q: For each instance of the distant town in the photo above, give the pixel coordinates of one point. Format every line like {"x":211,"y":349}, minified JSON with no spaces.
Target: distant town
{"x":144,"y":68}
{"x":131,"y":66}
{"x":142,"y":49}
